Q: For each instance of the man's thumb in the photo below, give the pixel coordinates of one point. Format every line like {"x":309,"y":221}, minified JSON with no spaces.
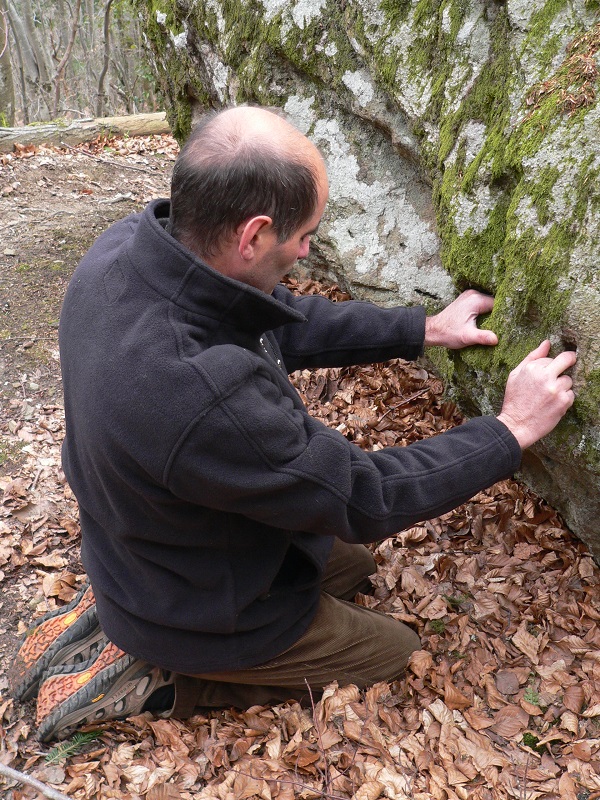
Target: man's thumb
{"x":487,"y":337}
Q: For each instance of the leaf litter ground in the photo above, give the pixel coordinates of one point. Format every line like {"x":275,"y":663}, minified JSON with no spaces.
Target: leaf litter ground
{"x":503,"y":699}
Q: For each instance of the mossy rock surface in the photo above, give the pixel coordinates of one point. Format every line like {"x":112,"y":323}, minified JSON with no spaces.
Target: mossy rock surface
{"x":462,"y":139}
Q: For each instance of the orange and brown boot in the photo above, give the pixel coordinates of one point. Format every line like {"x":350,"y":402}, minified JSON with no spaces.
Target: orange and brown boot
{"x":113,"y":685}
{"x":70,"y":634}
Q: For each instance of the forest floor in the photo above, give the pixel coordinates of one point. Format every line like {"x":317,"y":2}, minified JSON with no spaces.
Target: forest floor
{"x":503,"y":700}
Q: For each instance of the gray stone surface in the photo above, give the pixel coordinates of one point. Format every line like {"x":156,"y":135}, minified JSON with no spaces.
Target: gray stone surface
{"x":462,"y":139}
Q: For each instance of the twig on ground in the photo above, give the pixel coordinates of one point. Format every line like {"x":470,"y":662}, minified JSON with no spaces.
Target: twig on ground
{"x":288,"y":782}
{"x":523,"y":791}
{"x":36,"y":479}
{"x":28,"y":339}
{"x":20,"y":777}
{"x":109,"y":161}
{"x":317,"y":723}
{"x":4,"y":16}
{"x":404,"y":402}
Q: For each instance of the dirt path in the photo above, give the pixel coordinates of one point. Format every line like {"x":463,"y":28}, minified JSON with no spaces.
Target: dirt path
{"x":52,"y":206}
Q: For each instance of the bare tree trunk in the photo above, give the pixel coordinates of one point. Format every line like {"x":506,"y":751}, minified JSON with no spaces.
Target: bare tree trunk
{"x":89,"y":6}
{"x":101,"y":95}
{"x":22,"y":82}
{"x":84,"y":130}
{"x":87,"y":46}
{"x":63,"y":25}
{"x":65,"y":59}
{"x":43,"y":60}
{"x":30,"y":65}
{"x":7,"y":87}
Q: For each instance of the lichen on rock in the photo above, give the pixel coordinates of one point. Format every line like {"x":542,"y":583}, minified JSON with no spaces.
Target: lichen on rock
{"x":463,"y":148}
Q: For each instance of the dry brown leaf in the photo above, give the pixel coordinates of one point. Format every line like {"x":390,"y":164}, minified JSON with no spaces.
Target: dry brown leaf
{"x":477,"y":720}
{"x":582,"y":750}
{"x":370,"y":790}
{"x":329,"y":738}
{"x":441,"y":712}
{"x":567,"y":787}
{"x":530,"y":708}
{"x":454,"y":699}
{"x":396,"y":785}
{"x":510,"y":721}
{"x":574,"y":698}
{"x":568,"y":721}
{"x":52,"y":561}
{"x":455,"y":776}
{"x":507,"y":681}
{"x":334,"y":699}
{"x":412,"y":535}
{"x":70,"y":525}
{"x":436,"y":609}
{"x":414,"y":583}
{"x":485,"y":606}
{"x":245,"y":786}
{"x":527,"y":643}
{"x":587,"y":568}
{"x":420,"y":662}
{"x":164,"y":791}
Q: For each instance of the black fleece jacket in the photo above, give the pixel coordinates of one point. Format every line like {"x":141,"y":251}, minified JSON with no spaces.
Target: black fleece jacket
{"x":209,"y":497}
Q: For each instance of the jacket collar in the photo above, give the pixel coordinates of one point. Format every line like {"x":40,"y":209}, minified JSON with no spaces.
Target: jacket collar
{"x":176,"y":273}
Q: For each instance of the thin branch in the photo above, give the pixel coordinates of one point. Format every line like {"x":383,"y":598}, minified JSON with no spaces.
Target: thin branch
{"x":317,"y":724}
{"x":107,"y":160}
{"x":20,"y":777}
{"x":523,"y":790}
{"x":100,"y":106}
{"x":404,"y":402}
{"x":3,"y":14}
{"x":64,"y":60}
{"x":288,"y":782}
{"x":27,"y":339}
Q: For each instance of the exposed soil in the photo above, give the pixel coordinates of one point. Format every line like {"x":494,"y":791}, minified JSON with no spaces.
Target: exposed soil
{"x":53,"y":204}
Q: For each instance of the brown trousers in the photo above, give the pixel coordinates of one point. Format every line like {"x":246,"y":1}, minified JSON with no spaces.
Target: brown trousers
{"x":344,"y":642}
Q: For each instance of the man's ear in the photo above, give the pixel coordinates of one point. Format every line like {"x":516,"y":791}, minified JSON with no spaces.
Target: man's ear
{"x":251,"y":234}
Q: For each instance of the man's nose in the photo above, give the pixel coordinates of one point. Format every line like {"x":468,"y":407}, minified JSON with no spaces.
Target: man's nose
{"x":304,"y":248}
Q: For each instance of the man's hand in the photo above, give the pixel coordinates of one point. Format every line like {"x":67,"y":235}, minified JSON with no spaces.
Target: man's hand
{"x":456,"y":325}
{"x":538,"y":394}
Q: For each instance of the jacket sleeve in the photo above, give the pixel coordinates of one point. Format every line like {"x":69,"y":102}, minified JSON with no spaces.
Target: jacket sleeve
{"x":352,"y":332}
{"x":254,"y":451}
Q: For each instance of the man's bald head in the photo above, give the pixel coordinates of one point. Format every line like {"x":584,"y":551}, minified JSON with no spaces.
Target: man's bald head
{"x":237,"y":164}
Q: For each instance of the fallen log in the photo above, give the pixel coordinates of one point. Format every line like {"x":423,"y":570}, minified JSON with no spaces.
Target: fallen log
{"x":84,"y":130}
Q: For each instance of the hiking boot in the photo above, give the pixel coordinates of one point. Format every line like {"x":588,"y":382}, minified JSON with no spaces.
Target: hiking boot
{"x":113,"y":685}
{"x":70,"y":634}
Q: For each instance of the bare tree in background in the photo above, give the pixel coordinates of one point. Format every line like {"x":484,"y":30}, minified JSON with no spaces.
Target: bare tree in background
{"x":65,"y":59}
{"x":74,"y":58}
{"x":105,"y":66}
{"x":7,"y":91}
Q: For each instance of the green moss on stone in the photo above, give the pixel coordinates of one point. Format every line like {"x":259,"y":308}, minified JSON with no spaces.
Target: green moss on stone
{"x":397,"y":11}
{"x":541,"y":191}
{"x":542,"y":19}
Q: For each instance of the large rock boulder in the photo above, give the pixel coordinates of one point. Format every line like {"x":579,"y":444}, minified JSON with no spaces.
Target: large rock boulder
{"x":462,"y":139}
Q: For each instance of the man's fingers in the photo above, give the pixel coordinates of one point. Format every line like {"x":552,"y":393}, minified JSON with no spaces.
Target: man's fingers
{"x":486,"y":337}
{"x":564,"y":382}
{"x":491,"y":337}
{"x":563,"y":361}
{"x":483,"y":303}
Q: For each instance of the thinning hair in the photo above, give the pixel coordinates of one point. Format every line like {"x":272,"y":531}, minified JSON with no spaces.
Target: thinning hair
{"x":223,"y":176}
